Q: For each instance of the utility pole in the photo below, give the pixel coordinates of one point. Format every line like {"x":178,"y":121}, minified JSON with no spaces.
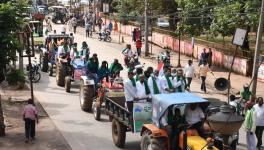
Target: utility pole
{"x":146,"y":29}
{"x":257,"y":51}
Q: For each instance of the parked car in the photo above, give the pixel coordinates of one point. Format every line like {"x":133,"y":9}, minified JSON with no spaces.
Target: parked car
{"x":163,"y":23}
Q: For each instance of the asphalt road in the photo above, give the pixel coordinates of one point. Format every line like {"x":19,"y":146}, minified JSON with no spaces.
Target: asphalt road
{"x":80,"y":128}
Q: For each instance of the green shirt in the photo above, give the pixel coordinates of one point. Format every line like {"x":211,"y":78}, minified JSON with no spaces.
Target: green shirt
{"x":245,"y":95}
{"x":115,"y":68}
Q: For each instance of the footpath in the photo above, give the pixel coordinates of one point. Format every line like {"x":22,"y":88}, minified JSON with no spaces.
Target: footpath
{"x":237,"y":81}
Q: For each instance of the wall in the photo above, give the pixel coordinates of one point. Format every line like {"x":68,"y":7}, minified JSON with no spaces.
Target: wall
{"x":241,"y":65}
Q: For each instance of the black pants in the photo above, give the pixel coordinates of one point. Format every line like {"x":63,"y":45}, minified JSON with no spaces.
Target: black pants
{"x":139,"y":51}
{"x":203,"y":86}
{"x":198,"y":127}
{"x":189,"y":81}
{"x":87,"y":33}
{"x":29,"y":128}
{"x":74,"y":29}
{"x":259,"y":132}
{"x":130,"y":109}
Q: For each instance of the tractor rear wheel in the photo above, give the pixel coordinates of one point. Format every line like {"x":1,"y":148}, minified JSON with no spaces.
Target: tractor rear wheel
{"x":86,"y":95}
{"x":44,"y":61}
{"x":118,"y":133}
{"x":68,"y":84}
{"x":60,"y":74}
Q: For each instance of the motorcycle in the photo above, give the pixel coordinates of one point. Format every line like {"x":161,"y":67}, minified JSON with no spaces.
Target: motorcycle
{"x":34,"y":72}
{"x":105,"y":36}
{"x":164,"y":57}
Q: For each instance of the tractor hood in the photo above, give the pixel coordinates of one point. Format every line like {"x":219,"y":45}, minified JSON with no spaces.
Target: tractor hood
{"x":161,"y":102}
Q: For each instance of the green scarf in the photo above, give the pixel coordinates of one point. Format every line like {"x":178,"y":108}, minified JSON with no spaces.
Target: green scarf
{"x":133,"y":82}
{"x":137,"y":77}
{"x":155,"y":86}
{"x":169,"y":82}
{"x":249,"y":119}
{"x":179,"y":89}
{"x":146,"y":87}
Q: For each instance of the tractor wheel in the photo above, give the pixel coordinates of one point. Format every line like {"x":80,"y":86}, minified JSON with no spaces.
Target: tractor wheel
{"x":86,"y":96}
{"x":68,"y":84}
{"x":157,"y":144}
{"x":44,"y":61}
{"x":60,"y":74}
{"x":97,"y":111}
{"x":145,"y":141}
{"x":118,"y":133}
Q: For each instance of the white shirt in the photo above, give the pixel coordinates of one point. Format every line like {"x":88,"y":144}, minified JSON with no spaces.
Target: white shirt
{"x":179,"y":83}
{"x":164,"y":84}
{"x":193,"y":116}
{"x":140,"y":90}
{"x":189,"y":71}
{"x":130,"y":90}
{"x":129,"y":53}
{"x":60,"y":50}
{"x":260,"y":114}
{"x":151,"y":86}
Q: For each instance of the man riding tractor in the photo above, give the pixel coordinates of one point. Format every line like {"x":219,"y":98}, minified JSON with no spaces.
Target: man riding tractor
{"x":115,"y":69}
{"x":169,"y":129}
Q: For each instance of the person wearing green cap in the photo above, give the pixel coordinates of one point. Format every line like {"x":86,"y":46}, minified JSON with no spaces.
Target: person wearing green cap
{"x":130,"y":91}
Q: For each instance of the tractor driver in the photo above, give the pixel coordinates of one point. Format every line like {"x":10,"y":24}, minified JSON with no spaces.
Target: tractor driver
{"x":63,"y":49}
{"x":195,"y":117}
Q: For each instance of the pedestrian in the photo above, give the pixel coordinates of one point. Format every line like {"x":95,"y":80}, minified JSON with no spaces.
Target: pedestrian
{"x":138,"y":46}
{"x":110,"y":26}
{"x":74,"y":24}
{"x":179,"y":82}
{"x":116,"y":26}
{"x":87,"y":29}
{"x":259,"y":108}
{"x":30,"y":116}
{"x":70,"y":24}
{"x":99,"y":23}
{"x":203,"y":57}
{"x":167,"y":82}
{"x":134,"y":35}
{"x":209,"y":57}
{"x":203,"y":70}
{"x":189,"y":72}
{"x":249,"y":125}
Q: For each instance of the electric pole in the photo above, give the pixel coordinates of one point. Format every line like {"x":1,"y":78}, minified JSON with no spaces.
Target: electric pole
{"x":257,"y":51}
{"x":146,"y":29}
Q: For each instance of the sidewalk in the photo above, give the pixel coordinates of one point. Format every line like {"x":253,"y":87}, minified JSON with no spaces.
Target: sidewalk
{"x":237,"y":81}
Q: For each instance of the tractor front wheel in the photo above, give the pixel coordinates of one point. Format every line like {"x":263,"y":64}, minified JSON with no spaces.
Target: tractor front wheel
{"x":148,"y":143}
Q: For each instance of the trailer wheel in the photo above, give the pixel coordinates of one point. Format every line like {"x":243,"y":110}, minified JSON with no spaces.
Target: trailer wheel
{"x":97,"y":111}
{"x":118,"y":133}
{"x":86,"y":96}
{"x":68,"y":84}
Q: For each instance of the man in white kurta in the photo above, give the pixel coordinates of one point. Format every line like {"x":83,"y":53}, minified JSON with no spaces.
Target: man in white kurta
{"x":167,"y":82}
{"x":141,"y":92}
{"x":154,"y":79}
{"x":130,"y":91}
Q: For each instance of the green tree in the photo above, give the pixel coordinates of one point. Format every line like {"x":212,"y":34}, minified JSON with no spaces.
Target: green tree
{"x":11,"y":21}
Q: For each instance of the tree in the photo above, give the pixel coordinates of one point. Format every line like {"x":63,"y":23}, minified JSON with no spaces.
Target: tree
{"x":10,"y":14}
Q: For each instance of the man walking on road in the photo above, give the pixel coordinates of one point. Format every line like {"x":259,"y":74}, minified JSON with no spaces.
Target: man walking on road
{"x":250,"y":125}
{"x":30,"y":116}
{"x":259,"y":108}
{"x":154,"y":83}
{"x":189,"y":72}
{"x":74,"y":24}
{"x":203,"y":70}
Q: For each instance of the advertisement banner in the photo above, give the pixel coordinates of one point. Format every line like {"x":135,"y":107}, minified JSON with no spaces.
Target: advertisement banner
{"x":261,"y":73}
{"x":142,"y":113}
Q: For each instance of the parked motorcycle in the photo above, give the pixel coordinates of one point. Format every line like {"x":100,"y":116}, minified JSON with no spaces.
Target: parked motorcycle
{"x":34,"y":71}
{"x":105,"y":36}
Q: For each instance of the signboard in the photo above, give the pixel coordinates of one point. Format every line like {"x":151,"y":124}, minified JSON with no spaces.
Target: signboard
{"x":261,"y":73}
{"x":142,"y":113}
{"x":105,"y":7}
{"x":239,"y":37}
